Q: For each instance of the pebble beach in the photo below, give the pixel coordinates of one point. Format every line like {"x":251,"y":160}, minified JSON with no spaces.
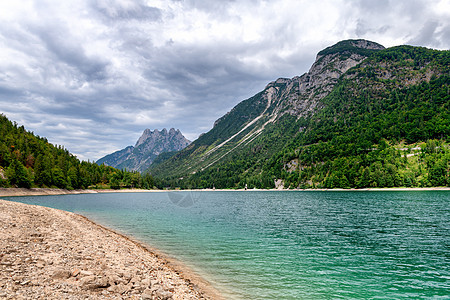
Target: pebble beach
{"x":47,"y":253}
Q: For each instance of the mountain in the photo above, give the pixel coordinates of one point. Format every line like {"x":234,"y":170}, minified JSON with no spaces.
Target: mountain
{"x":147,"y":148}
{"x":341,"y":124}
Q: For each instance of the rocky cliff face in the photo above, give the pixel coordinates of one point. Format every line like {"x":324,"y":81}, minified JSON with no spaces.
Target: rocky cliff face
{"x":297,"y":97}
{"x":146,"y":149}
{"x":300,"y":95}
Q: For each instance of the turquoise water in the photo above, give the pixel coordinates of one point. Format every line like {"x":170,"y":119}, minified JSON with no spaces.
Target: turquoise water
{"x":290,"y":245}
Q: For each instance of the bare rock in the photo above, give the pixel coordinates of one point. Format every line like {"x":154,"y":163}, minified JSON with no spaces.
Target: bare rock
{"x":147,"y":282}
{"x":75,"y":272}
{"x":93,"y":282}
{"x":40,"y":263}
{"x":163,"y":295}
{"x":113,"y":279}
{"x":86,"y":273}
{"x":147,"y":295}
{"x":62,"y":274}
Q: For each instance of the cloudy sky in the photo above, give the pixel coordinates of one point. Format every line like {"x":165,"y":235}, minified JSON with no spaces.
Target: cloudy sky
{"x":93,"y":74}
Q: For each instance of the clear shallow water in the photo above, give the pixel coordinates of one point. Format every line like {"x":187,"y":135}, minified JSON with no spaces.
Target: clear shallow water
{"x":290,"y":245}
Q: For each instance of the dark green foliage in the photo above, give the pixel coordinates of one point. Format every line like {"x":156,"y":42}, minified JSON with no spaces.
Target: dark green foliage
{"x":163,"y":157}
{"x":18,"y":174}
{"x":27,"y":160}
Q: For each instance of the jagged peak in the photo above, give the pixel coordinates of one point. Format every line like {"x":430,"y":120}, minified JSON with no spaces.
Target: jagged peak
{"x":149,"y":133}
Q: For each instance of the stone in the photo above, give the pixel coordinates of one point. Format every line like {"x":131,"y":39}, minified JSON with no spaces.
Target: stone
{"x":75,"y":272}
{"x":113,"y":279}
{"x":163,"y":295}
{"x":154,"y":283}
{"x":147,"y":295}
{"x":111,"y":289}
{"x":135,"y":280}
{"x":93,"y":282}
{"x":122,"y":289}
{"x":40,"y":263}
{"x":146,"y":283}
{"x":62,"y":274}
{"x":86,"y":273}
{"x":127,"y":276}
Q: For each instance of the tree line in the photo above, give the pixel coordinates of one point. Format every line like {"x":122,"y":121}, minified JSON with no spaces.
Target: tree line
{"x":27,"y":160}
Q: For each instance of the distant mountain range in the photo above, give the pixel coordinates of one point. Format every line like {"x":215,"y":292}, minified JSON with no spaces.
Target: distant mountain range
{"x":338,"y":125}
{"x":147,"y":148}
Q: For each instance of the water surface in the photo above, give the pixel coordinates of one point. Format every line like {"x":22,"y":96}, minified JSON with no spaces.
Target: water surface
{"x":290,"y":245}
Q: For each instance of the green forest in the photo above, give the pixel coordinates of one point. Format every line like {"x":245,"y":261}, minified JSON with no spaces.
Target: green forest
{"x":385,"y":124}
{"x":27,"y":161}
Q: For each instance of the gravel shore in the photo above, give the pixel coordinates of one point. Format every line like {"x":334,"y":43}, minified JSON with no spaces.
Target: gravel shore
{"x":47,"y":253}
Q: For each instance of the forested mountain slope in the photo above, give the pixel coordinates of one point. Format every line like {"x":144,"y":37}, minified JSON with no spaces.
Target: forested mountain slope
{"x":363,"y":116}
{"x":28,"y":161}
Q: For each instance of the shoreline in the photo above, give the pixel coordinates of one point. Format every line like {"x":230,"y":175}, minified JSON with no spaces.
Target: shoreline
{"x":15,"y":192}
{"x":54,"y":254}
{"x":199,"y":283}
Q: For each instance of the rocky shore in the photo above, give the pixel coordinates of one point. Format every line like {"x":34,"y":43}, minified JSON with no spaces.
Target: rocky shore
{"x":52,"y":254}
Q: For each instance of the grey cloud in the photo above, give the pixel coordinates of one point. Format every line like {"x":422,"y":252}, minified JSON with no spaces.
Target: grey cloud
{"x":8,"y":93}
{"x":410,"y":8}
{"x":430,"y":35}
{"x":198,"y":74}
{"x":116,"y":10}
{"x":211,"y":6}
{"x":362,"y":28}
{"x":69,"y":50}
{"x":371,"y":6}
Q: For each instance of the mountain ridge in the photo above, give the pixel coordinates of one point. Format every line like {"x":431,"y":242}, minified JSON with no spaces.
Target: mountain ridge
{"x":297,"y":96}
{"x":248,"y":142}
{"x":149,"y":145}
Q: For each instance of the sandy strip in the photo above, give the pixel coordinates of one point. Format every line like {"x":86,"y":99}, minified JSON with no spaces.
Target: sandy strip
{"x":47,"y":253}
{"x":9,"y":192}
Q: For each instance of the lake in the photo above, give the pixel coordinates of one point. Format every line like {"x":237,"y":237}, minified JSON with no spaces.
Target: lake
{"x":289,"y":244}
